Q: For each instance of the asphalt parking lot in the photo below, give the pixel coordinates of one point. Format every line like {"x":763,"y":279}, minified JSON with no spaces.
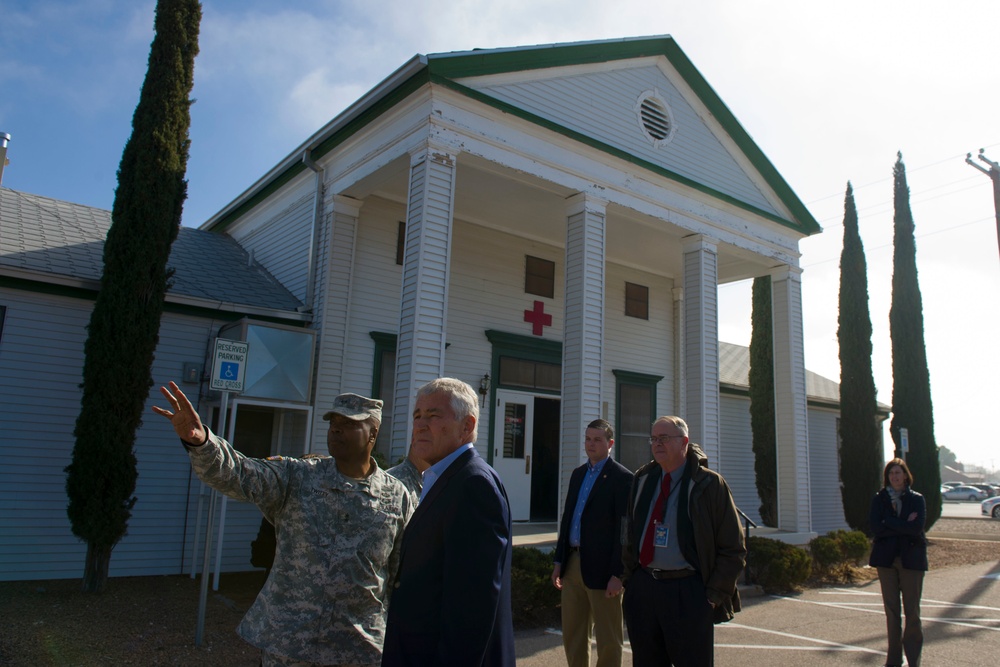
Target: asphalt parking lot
{"x":841,"y":626}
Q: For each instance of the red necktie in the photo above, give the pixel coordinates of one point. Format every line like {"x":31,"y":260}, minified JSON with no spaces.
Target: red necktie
{"x":646,"y":554}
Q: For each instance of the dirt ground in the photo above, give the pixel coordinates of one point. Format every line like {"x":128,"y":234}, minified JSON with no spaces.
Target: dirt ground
{"x":152,"y":620}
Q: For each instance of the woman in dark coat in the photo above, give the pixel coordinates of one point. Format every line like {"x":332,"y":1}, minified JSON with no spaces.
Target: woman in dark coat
{"x":899,"y":551}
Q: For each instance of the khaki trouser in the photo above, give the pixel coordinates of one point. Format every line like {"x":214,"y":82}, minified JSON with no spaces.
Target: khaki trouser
{"x":583,"y":608}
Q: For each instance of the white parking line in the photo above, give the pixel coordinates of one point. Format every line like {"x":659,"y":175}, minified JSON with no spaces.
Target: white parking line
{"x":963,"y":622}
{"x":825,"y":645}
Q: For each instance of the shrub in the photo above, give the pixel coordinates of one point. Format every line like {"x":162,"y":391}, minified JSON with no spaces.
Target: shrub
{"x":777,"y":566}
{"x":825,"y":552}
{"x":854,"y":545}
{"x":534,"y":600}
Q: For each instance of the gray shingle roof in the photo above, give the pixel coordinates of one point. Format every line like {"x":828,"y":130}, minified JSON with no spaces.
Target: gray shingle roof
{"x":49,"y":238}
{"x":734,"y":370}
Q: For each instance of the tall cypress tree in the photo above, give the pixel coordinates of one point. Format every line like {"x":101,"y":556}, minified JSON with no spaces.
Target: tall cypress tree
{"x":124,"y":325}
{"x":911,"y":386}
{"x":861,"y":456}
{"x":762,"y":425}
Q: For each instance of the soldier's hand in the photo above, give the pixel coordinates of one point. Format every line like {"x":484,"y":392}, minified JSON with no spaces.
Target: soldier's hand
{"x":186,"y":422}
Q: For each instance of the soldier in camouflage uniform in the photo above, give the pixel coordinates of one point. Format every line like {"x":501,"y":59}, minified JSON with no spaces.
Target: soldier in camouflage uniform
{"x":339,"y":524}
{"x":410,"y":473}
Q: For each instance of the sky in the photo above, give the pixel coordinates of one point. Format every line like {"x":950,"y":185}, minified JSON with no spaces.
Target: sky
{"x":829,"y":91}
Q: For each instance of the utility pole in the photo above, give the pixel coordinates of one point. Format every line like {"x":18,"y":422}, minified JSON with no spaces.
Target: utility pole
{"x":994,"y":173}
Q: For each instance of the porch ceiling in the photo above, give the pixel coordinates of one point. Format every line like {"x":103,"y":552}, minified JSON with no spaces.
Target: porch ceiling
{"x":501,"y":198}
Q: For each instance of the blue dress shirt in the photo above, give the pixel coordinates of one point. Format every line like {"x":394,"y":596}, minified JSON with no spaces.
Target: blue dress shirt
{"x":431,"y":474}
{"x":593,"y":471}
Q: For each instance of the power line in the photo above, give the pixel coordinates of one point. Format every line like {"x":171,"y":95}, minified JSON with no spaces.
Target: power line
{"x":889,"y":245}
{"x":889,"y":178}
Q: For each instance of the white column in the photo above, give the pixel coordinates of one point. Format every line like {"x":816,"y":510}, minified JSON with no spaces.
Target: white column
{"x":791,"y":417}
{"x":333,"y":302}
{"x":423,"y":314}
{"x":680,"y":382}
{"x":701,"y":344}
{"x":583,"y":337}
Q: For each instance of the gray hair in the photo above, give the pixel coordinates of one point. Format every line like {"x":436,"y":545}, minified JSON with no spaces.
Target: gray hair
{"x":464,"y":401}
{"x":678,"y":423}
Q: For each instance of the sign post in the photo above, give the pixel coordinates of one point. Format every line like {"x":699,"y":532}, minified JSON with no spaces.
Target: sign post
{"x":904,"y":441}
{"x":229,"y":366}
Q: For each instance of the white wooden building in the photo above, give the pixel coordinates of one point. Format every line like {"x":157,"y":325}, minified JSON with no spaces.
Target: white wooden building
{"x":548,"y":223}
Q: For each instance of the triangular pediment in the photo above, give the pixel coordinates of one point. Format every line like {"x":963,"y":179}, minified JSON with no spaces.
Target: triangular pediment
{"x":606,"y":106}
{"x":641,"y":100}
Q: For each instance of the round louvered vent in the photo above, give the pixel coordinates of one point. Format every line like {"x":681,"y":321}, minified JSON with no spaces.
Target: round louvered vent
{"x":655,"y":117}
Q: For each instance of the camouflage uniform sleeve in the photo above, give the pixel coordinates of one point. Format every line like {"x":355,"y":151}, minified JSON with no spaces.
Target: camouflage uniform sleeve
{"x":392,"y":566}
{"x":220,"y":466}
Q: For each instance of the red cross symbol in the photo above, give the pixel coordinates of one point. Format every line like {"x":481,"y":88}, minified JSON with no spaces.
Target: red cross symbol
{"x":538,"y":318}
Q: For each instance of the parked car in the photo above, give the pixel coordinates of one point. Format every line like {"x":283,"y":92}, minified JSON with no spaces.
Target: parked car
{"x":991,"y":507}
{"x":964,"y":493}
{"x":988,"y":488}
{"x":951,"y":485}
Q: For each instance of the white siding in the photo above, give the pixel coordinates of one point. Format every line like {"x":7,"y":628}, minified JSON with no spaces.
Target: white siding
{"x":41,"y":363}
{"x":601,"y":105}
{"x":737,"y":454}
{"x":281,"y":244}
{"x":738,"y":463}
{"x":824,"y":472}
{"x":636,"y":345}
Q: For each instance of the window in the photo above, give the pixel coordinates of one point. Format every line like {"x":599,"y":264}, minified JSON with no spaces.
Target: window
{"x":637,"y":301}
{"x":636,"y":410}
{"x":513,"y":431}
{"x":383,"y":387}
{"x":528,"y":374}
{"x":400,"y":242}
{"x":539,"y":276}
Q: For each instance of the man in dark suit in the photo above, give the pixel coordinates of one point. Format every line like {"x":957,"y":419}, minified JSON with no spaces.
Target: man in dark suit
{"x":588,"y":558}
{"x":451,"y":604}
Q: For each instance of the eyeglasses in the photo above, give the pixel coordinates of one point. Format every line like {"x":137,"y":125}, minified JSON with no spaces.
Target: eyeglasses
{"x":662,"y":439}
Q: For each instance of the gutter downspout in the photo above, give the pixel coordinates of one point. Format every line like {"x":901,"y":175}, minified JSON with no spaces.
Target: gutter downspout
{"x":313,"y":236}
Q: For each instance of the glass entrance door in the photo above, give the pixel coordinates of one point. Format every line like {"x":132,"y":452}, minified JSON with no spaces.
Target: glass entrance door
{"x":512,"y":443}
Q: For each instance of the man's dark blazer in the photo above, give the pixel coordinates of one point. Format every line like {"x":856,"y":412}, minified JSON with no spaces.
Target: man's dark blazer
{"x":601,"y":525}
{"x":451,"y":604}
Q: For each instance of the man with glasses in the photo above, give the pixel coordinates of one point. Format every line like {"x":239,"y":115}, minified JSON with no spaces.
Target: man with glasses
{"x":683,"y":555}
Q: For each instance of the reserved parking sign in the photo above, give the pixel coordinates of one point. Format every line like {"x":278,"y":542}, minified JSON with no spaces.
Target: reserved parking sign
{"x":230,"y":364}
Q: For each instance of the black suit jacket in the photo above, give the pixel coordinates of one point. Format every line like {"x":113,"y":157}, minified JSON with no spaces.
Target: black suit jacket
{"x":601,"y":525}
{"x":451,"y":604}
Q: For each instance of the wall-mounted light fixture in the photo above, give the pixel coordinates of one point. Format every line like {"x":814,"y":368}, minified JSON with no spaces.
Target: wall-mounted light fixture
{"x":484,"y":388}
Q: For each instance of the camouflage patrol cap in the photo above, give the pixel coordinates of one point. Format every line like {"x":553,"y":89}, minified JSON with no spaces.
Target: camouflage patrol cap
{"x":354,"y":406}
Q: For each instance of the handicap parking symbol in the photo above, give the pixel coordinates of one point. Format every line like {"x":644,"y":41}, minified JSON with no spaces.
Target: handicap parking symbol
{"x":229,"y":371}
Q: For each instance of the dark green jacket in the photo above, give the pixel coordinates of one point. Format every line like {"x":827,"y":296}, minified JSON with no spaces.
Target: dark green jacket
{"x":714,"y":525}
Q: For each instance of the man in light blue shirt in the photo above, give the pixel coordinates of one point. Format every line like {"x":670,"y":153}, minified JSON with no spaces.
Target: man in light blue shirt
{"x":587,"y":564}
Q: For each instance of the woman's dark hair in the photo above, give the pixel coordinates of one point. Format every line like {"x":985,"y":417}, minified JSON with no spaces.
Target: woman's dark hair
{"x":902,"y":464}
